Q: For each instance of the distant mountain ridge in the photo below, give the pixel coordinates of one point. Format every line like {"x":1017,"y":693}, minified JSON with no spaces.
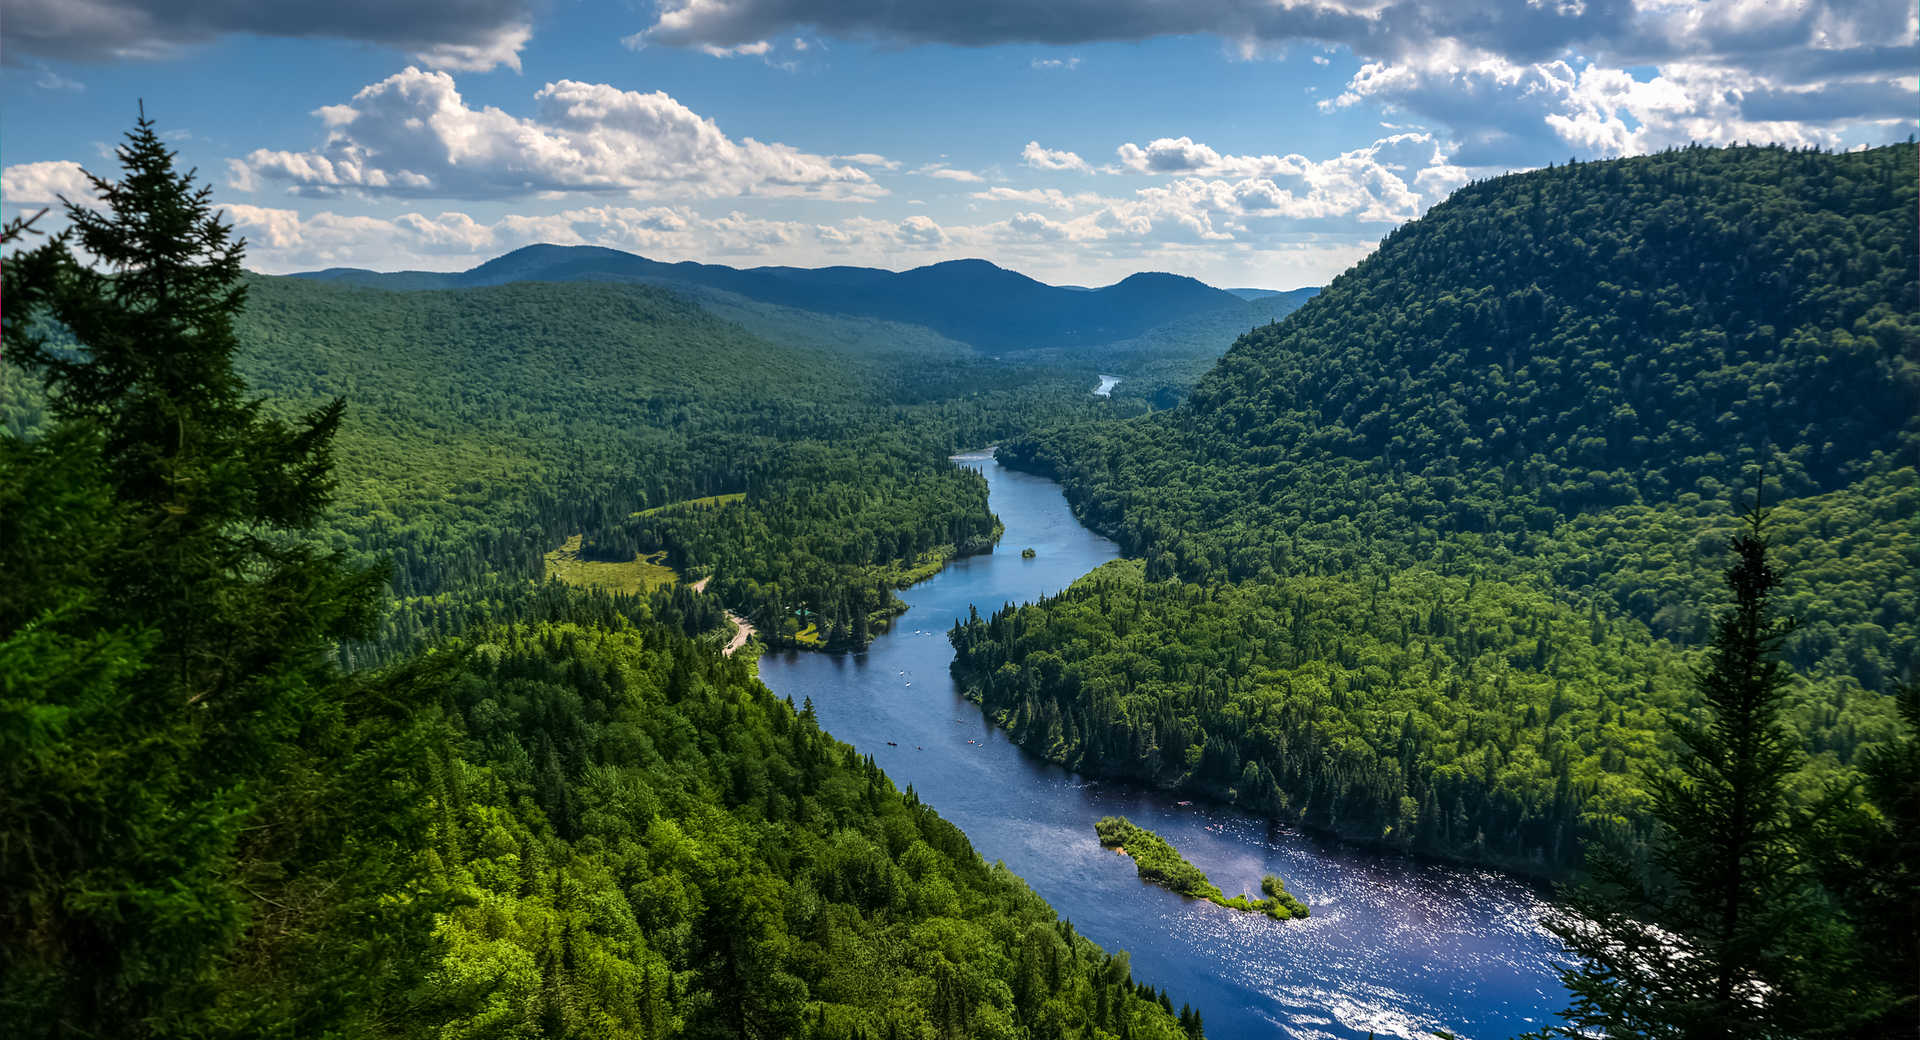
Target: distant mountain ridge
{"x":973,"y":301}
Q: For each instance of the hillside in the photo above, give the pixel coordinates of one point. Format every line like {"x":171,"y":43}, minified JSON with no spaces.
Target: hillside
{"x":1512,"y":438}
{"x":572,"y":817}
{"x":972,"y":301}
{"x":487,"y":426}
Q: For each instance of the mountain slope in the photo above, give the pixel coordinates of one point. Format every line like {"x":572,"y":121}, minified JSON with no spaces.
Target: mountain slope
{"x":1642,"y":316}
{"x":1426,"y":561}
{"x":1643,"y":332}
{"x":968,"y":300}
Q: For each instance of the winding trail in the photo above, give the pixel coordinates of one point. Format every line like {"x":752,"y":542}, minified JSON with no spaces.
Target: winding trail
{"x":742,"y":629}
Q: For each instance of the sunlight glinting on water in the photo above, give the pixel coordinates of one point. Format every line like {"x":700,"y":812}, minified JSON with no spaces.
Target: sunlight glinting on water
{"x":1393,"y":947}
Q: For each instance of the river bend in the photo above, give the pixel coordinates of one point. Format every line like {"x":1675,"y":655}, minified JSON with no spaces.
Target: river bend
{"x":1394,"y":947}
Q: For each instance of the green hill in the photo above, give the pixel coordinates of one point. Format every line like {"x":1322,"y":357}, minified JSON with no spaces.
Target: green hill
{"x":972,"y":301}
{"x":489,"y":425}
{"x":1512,"y":438}
{"x":485,"y":427}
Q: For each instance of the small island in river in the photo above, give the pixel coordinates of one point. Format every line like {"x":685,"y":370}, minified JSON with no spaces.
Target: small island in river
{"x":1159,"y":862}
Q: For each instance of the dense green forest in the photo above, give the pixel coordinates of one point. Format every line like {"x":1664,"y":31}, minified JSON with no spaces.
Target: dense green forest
{"x":572,"y":821}
{"x":1426,"y":712}
{"x":500,"y":421}
{"x":1426,"y":561}
{"x":489,"y":425}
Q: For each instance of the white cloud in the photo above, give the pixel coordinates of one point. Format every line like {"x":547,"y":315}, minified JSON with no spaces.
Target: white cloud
{"x":1369,"y":184}
{"x":285,"y":240}
{"x":501,"y":48}
{"x":1066,"y":64}
{"x":1251,"y":202}
{"x":1052,"y":197}
{"x":941,"y":171}
{"x":412,"y":134}
{"x":1517,"y":114}
{"x":921,"y":230}
{"x":44,"y":184}
{"x":867,"y":159}
{"x":1176,"y":155}
{"x":1050,"y":159}
{"x":1516,"y":82}
{"x":51,"y":80}
{"x":758,"y":48}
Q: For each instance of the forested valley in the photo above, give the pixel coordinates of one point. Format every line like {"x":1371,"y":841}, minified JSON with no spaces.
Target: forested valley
{"x":486,"y":426}
{"x":360,"y":642}
{"x":1433,"y":563}
{"x":298,"y":743}
{"x":1454,"y":501}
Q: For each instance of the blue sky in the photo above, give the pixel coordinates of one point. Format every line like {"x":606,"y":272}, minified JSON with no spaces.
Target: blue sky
{"x":1245,"y":143}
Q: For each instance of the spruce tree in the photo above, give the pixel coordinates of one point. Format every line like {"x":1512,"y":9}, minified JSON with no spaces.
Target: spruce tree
{"x":1710,"y":946}
{"x":179,"y":752}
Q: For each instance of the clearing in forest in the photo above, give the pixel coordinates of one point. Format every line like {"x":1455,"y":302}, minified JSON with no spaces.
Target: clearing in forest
{"x":636,"y":575}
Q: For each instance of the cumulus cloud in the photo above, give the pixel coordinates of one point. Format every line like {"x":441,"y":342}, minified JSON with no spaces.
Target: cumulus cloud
{"x":1516,"y":114}
{"x":412,"y":134}
{"x":1370,"y":184}
{"x":1517,"y":81}
{"x":455,"y":34}
{"x":45,"y":184}
{"x":1067,"y":64}
{"x":1201,"y":198}
{"x":1051,"y":159}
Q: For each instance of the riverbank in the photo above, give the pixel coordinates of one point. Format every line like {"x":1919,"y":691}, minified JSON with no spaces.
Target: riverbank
{"x":1394,"y":946}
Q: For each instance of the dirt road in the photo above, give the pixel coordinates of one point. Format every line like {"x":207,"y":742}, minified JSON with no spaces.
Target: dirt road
{"x":742,"y":631}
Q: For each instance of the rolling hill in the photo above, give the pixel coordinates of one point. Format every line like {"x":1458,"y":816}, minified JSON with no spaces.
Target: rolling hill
{"x":1428,"y":561}
{"x":972,"y":301}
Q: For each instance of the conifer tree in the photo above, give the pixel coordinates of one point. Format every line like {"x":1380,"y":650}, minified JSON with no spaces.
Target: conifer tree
{"x":175,"y":739}
{"x":1711,"y":946}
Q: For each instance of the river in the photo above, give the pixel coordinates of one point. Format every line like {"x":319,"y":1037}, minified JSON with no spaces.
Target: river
{"x":1394,"y":947}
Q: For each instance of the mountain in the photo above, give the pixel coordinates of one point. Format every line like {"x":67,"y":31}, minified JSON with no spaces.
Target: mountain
{"x":1637,"y":332}
{"x":972,"y":301}
{"x":1426,"y":562}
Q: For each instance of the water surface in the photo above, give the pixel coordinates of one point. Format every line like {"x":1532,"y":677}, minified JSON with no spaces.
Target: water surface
{"x":1393,"y":947}
{"x":1107,"y":383}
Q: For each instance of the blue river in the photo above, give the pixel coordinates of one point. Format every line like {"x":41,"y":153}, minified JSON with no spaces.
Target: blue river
{"x":1395,"y":948}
